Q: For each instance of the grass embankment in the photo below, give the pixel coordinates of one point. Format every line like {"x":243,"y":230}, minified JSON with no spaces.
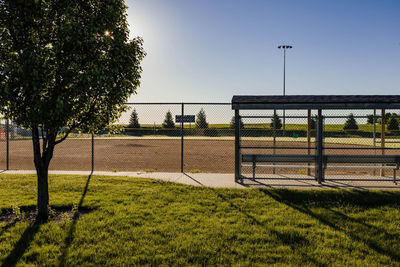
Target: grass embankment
{"x":139,"y":221}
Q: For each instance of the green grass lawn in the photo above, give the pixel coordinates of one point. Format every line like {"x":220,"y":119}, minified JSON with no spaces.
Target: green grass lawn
{"x":129,"y":221}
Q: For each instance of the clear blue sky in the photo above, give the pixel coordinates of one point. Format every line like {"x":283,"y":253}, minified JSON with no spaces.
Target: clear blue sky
{"x":209,"y":50}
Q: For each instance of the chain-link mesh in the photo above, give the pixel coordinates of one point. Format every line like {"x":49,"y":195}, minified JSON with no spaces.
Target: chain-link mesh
{"x":356,"y":132}
{"x":20,"y":148}
{"x":209,"y":143}
{"x":275,"y":133}
{"x":144,"y":143}
{"x":345,"y":132}
{"x":74,"y":153}
{"x":150,"y":140}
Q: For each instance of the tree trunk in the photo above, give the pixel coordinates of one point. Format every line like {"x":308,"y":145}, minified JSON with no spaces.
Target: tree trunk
{"x":43,"y":192}
{"x":42,"y":161}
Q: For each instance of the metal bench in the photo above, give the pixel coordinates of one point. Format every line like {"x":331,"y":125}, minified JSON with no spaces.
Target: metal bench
{"x":254,"y":159}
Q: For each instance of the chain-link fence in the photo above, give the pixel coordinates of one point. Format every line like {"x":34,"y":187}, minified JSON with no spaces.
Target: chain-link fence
{"x":354,"y":135}
{"x":151,"y":139}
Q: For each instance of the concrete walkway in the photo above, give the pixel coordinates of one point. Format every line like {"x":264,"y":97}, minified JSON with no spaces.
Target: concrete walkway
{"x":227,"y":180}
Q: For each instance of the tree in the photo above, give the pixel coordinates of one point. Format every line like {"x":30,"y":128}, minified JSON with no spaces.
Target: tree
{"x":388,"y":115}
{"x":313,"y":123}
{"x":201,"y":121}
{"x":134,"y":120}
{"x":370,"y":119}
{"x":393,"y":123}
{"x":65,"y":66}
{"x":168,"y":121}
{"x":232,"y":124}
{"x":351,"y":123}
{"x":276,"y":122}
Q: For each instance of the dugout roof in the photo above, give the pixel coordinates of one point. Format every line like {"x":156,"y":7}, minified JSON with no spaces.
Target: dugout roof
{"x":316,"y":102}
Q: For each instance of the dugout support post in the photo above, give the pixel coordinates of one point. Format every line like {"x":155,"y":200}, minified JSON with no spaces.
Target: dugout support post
{"x":237,"y":146}
{"x":319,"y":164}
{"x":383,"y":125}
{"x":308,"y":138}
{"x":182,"y":133}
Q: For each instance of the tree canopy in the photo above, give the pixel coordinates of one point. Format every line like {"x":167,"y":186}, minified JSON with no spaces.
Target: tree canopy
{"x":276,"y":122}
{"x":351,"y":123}
{"x":169,"y":120}
{"x":313,"y":123}
{"x":393,"y":123}
{"x":134,"y":119}
{"x":371,"y":119}
{"x":201,"y":120}
{"x":65,"y":66}
{"x":233,"y":123}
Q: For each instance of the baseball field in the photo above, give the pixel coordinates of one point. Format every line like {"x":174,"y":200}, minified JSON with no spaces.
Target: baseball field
{"x":163,"y":154}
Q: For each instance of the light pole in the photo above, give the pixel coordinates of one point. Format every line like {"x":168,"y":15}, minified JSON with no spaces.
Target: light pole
{"x":284,"y":47}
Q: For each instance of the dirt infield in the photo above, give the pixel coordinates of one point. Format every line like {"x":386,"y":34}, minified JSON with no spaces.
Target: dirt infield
{"x":129,"y":155}
{"x":214,"y":156}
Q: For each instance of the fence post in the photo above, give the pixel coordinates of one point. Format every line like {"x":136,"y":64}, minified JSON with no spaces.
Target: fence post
{"x":308,"y":138}
{"x":237,"y":146}
{"x":319,"y":171}
{"x":7,"y":145}
{"x":274,"y":139}
{"x":92,"y":153}
{"x":383,"y":124}
{"x":182,"y":134}
{"x":374,"y":139}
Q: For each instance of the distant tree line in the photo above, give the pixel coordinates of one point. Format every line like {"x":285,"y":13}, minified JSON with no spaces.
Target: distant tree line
{"x":201,"y":120}
{"x":391,"y":120}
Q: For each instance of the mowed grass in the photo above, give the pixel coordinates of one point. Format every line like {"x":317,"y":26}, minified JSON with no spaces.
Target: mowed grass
{"x":149,"y":222}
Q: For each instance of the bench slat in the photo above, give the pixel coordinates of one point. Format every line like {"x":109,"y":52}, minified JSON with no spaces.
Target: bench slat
{"x":278,"y":158}
{"x":294,"y":158}
{"x":362,"y":159}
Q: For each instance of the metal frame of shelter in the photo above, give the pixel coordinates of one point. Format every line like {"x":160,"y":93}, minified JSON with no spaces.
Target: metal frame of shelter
{"x":318,"y":103}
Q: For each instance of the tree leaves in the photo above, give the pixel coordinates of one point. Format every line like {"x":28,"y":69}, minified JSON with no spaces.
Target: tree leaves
{"x":59,"y":69}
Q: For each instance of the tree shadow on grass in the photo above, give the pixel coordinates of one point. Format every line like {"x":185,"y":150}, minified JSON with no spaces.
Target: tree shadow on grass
{"x":29,"y":234}
{"x":6,"y":227}
{"x":26,"y":238}
{"x":22,"y":244}
{"x":72,"y":228}
{"x":293,"y":239}
{"x":356,"y":229}
{"x":29,"y":215}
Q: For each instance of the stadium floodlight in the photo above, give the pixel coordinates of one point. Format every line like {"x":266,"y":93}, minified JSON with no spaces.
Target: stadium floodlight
{"x":284,"y":47}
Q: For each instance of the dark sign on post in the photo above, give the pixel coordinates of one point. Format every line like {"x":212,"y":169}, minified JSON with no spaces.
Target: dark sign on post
{"x":185,"y":118}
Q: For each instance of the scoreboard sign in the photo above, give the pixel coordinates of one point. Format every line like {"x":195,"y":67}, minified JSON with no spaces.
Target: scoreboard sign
{"x":185,"y":118}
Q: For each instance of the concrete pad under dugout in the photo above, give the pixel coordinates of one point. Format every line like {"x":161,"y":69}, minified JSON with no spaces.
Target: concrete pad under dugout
{"x":270,"y":181}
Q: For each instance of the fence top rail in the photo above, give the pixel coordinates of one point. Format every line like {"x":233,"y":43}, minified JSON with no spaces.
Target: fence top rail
{"x":316,"y":102}
{"x":178,"y":103}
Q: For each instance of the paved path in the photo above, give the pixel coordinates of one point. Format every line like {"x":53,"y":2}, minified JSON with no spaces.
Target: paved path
{"x":227,"y":180}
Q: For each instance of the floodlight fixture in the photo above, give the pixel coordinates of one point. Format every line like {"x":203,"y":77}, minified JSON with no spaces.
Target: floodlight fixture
{"x":284,"y":47}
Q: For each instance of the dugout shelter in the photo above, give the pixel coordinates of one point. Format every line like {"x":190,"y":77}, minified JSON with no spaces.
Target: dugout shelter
{"x":318,"y":159}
